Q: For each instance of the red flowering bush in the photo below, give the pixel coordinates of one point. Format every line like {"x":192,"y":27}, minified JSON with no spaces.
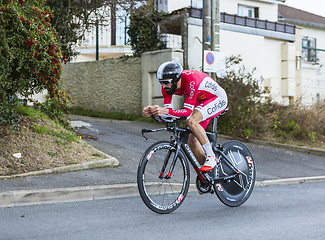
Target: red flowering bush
{"x":30,"y":53}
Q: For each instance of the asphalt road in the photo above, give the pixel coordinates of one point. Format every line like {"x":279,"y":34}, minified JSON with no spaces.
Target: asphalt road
{"x":274,"y":212}
{"x":123,"y":140}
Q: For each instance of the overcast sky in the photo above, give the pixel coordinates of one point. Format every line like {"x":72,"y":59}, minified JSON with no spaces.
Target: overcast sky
{"x":313,"y":6}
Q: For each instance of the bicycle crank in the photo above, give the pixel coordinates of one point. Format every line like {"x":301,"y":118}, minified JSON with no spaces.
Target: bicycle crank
{"x":204,"y":187}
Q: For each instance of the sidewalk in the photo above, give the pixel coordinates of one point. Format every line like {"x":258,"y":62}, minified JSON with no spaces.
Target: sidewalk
{"x":74,"y":183}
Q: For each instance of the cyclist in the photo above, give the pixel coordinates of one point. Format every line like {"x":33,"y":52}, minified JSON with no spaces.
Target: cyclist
{"x":204,"y":100}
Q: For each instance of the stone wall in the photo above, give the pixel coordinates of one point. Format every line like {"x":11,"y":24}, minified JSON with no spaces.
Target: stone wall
{"x":112,"y":85}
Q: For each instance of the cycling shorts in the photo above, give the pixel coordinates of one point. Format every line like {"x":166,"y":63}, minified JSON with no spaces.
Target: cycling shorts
{"x":212,"y":107}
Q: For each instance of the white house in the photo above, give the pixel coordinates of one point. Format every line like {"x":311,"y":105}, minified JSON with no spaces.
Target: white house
{"x":111,"y":39}
{"x":311,"y":38}
{"x":284,"y":44}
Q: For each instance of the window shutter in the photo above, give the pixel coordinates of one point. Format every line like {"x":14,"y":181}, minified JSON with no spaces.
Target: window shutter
{"x":256,"y":14}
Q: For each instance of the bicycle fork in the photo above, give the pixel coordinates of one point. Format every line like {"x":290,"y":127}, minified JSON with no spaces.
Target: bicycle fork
{"x":172,"y":166}
{"x":189,"y":154}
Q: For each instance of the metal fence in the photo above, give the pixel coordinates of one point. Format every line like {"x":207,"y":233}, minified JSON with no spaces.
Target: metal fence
{"x":257,"y":23}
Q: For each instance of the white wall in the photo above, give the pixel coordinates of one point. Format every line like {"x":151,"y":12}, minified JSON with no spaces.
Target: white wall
{"x":267,"y":11}
{"x":313,"y":75}
{"x":250,"y":47}
{"x":309,"y":83}
{"x":178,"y":4}
{"x":271,"y":67}
{"x":262,"y":53}
{"x":265,"y":54}
{"x":258,"y":52}
{"x":195,"y":46}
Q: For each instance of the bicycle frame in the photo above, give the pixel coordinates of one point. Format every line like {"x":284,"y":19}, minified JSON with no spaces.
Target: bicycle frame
{"x":204,"y":176}
{"x":180,"y":143}
{"x":165,"y":188}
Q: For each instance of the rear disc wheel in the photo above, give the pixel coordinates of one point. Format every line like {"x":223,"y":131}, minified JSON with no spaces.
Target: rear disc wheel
{"x":234,"y":192}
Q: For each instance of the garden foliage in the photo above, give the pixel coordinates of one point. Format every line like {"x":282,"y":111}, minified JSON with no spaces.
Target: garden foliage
{"x":30,"y":54}
{"x":143,"y":30}
{"x":244,"y":98}
{"x":253,"y":115}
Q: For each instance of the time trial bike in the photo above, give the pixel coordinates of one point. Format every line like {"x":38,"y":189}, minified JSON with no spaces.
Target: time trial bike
{"x":163,"y":176}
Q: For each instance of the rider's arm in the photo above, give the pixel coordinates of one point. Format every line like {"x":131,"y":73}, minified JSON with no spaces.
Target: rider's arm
{"x":188,"y":105}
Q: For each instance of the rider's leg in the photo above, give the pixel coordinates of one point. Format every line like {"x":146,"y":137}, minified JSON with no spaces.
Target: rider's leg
{"x":200,"y":118}
{"x":194,"y":123}
{"x":196,"y":148}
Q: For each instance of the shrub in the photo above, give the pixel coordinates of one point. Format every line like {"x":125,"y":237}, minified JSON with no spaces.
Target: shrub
{"x":297,"y":122}
{"x":245,"y":100}
{"x":30,"y":54}
{"x":251,"y":115}
{"x":55,"y":107}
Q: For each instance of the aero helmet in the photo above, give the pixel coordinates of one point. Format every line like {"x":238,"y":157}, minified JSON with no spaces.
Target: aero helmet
{"x":169,"y":71}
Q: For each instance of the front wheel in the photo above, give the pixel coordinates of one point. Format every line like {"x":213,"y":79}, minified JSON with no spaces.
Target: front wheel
{"x":234,"y":192}
{"x":160,"y":191}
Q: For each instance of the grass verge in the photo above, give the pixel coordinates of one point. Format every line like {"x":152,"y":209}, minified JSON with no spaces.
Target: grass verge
{"x":110,"y":115}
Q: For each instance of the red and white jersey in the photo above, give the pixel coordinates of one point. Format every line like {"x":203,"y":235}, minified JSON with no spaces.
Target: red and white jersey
{"x":198,"y":89}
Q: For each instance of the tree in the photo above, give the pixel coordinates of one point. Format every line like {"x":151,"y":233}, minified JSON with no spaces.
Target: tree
{"x":143,"y":30}
{"x":30,"y":53}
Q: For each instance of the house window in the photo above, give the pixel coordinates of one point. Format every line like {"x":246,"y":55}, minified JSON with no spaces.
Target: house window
{"x":309,"y":52}
{"x":247,"y":11}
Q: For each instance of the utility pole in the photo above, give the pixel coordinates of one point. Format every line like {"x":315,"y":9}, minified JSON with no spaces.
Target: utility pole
{"x":113,"y":23}
{"x":206,"y":27}
{"x":97,"y":41}
{"x":217,"y":26}
{"x":213,"y":30}
{"x":210,"y":28}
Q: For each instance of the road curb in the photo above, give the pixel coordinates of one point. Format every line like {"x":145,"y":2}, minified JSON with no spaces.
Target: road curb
{"x":73,"y":194}
{"x":107,"y":162}
{"x":88,"y":193}
{"x":288,"y":181}
{"x":314,"y":151}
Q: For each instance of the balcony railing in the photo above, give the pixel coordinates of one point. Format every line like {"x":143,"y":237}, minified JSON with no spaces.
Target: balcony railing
{"x":258,"y":23}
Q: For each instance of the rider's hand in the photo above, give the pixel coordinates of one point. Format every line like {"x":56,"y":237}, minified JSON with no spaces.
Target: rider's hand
{"x":147,"y":111}
{"x":158,"y":111}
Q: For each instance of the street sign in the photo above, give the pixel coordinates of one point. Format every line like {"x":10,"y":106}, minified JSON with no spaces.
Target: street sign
{"x":215,"y":62}
{"x":209,"y":58}
{"x":209,"y":61}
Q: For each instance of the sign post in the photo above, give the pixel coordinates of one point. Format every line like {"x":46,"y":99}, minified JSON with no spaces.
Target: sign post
{"x":215,"y":62}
